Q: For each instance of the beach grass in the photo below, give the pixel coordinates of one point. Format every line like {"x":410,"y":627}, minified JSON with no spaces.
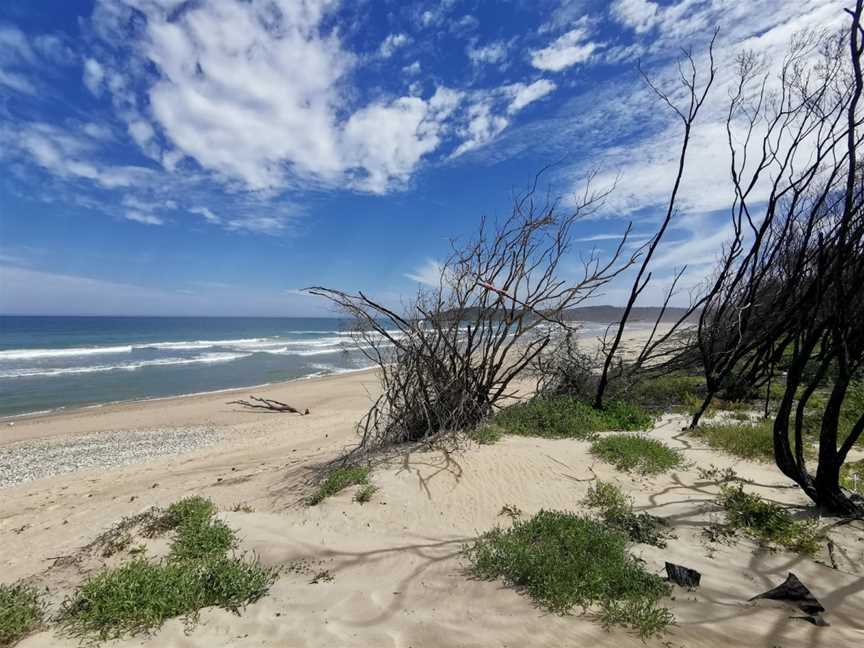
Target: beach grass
{"x":746,"y":440}
{"x":636,"y":453}
{"x":21,"y":612}
{"x":565,"y":417}
{"x":563,"y":561}
{"x":142,"y":594}
{"x":616,"y":510}
{"x":364,"y":493}
{"x":338,"y":480}
{"x":768,"y":522}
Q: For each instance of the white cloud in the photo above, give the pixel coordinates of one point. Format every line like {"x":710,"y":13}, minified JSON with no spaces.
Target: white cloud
{"x":492,"y":53}
{"x":258,"y":93}
{"x":94,"y":76}
{"x":389,"y":139}
{"x":17,"y":82}
{"x":413,"y":69}
{"x":483,"y":126}
{"x":141,"y":132}
{"x":640,"y":15}
{"x":67,"y":155}
{"x":428,"y":274}
{"x":392,"y":43}
{"x":525,"y":94}
{"x":208,"y":215}
{"x":259,"y":224}
{"x":144,"y":219}
{"x":566,"y":51}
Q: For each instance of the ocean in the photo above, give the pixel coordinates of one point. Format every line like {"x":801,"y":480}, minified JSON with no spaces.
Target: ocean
{"x":51,"y":363}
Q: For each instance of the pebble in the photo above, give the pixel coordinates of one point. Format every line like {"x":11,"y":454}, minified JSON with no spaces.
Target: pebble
{"x":29,"y":460}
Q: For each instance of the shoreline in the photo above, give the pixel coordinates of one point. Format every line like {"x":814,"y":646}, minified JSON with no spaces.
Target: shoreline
{"x":190,"y":409}
{"x":67,"y":409}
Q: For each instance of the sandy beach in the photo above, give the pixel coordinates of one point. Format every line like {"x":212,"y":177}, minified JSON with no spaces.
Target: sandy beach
{"x":398,"y":577}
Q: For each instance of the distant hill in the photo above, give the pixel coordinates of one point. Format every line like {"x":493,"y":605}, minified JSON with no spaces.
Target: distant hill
{"x":607,"y":314}
{"x":597,"y":314}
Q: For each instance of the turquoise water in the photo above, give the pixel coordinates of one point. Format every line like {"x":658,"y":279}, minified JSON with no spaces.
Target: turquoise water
{"x":47,"y":363}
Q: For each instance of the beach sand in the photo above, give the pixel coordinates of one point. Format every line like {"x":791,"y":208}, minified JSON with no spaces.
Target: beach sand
{"x":398,"y":576}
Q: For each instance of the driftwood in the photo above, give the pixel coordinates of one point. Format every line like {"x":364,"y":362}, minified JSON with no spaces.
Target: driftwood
{"x":683,"y":576}
{"x":268,"y":404}
{"x":793,"y":591}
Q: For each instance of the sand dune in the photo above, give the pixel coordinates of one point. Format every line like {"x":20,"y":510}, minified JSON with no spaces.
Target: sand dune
{"x":397,"y":575}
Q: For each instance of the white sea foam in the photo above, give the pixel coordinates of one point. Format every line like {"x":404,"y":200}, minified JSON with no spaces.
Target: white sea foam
{"x":207,"y":358}
{"x":31,"y":354}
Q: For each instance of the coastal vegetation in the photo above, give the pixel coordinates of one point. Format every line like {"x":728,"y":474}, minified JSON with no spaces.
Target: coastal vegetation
{"x":21,"y":612}
{"x":563,"y":561}
{"x":636,"y":453}
{"x":141,"y":594}
{"x":338,"y":480}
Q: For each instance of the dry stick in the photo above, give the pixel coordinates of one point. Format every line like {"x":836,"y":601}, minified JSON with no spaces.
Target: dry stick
{"x":269,"y":404}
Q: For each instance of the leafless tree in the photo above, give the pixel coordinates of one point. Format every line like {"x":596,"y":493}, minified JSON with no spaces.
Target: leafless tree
{"x":656,"y":346}
{"x":451,"y":356}
{"x":789,"y":292}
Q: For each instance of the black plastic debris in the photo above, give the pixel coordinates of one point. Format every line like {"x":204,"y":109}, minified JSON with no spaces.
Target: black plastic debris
{"x":683,"y":576}
{"x":793,"y":591}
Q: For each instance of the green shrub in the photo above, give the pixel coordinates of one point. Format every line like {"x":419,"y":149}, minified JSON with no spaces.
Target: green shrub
{"x":754,"y":441}
{"x":616,"y":510}
{"x":768,"y":522}
{"x":364,"y":493}
{"x":630,"y":452}
{"x":486,"y":434}
{"x":852,"y":476}
{"x":338,"y":480}
{"x":20,"y":612}
{"x":201,"y":538}
{"x":562,"y":561}
{"x":564,"y":417}
{"x":141,"y":595}
{"x":659,"y":394}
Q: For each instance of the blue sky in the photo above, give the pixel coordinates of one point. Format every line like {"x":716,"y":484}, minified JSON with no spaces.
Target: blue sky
{"x":174,"y":157}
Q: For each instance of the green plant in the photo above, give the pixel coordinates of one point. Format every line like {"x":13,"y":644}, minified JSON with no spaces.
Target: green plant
{"x":616,"y":511}
{"x":337,"y":480}
{"x":641,"y":615}
{"x":852,"y":476}
{"x":140,"y":595}
{"x":198,"y":538}
{"x":20,"y":612}
{"x":768,"y":522}
{"x":486,"y":434}
{"x":754,"y":441}
{"x":629,"y":452}
{"x":565,"y":417}
{"x":562,"y":561}
{"x":715,"y":474}
{"x":364,"y":493}
{"x":661,"y":393}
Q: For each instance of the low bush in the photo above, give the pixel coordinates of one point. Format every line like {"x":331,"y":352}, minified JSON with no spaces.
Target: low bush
{"x":630,"y":452}
{"x":338,"y":480}
{"x":486,"y":434}
{"x":754,"y":441}
{"x":142,"y":594}
{"x":20,"y":612}
{"x":564,"y":417}
{"x":616,"y":510}
{"x":852,"y":476}
{"x":364,"y":493}
{"x":659,"y":394}
{"x":768,"y":522}
{"x":562,"y":561}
